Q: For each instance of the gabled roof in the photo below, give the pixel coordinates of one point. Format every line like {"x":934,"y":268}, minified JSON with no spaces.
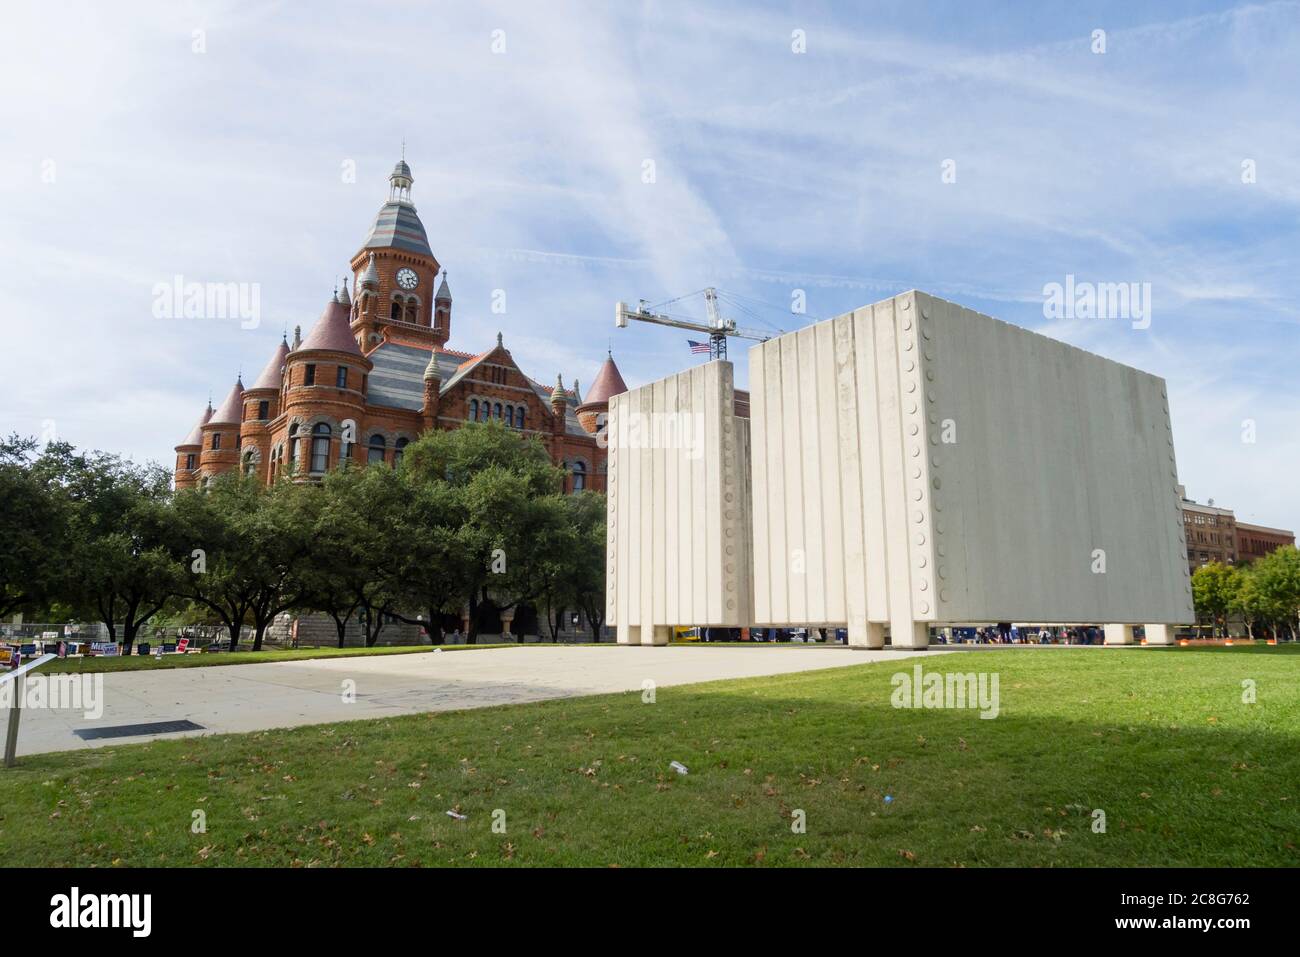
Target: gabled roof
{"x":333,"y":331}
{"x":196,"y":434}
{"x":270,"y":377}
{"x":398,"y":226}
{"x":230,"y":412}
{"x":608,"y":382}
{"x":397,"y":379}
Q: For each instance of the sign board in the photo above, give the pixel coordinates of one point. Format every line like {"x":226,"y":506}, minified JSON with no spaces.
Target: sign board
{"x":106,"y":648}
{"x":182,"y":646}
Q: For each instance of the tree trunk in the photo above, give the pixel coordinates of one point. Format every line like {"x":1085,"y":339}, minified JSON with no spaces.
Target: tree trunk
{"x":341,"y":626}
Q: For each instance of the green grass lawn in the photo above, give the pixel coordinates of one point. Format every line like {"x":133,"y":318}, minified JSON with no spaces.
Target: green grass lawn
{"x":1160,"y":740}
{"x":83,"y":665}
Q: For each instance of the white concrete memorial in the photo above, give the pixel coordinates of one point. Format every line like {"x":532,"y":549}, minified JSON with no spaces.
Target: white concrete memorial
{"x":914,"y":463}
{"x":678,"y":512}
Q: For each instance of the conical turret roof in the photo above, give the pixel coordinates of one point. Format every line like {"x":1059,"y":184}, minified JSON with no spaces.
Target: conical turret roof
{"x":608,"y":382}
{"x":270,"y":377}
{"x":196,"y":434}
{"x":333,"y":331}
{"x":230,"y":412}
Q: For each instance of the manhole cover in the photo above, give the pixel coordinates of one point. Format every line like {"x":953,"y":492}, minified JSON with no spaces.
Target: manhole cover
{"x":132,"y":730}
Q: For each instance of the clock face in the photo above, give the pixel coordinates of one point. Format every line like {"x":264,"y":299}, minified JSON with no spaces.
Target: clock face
{"x":407,"y":279}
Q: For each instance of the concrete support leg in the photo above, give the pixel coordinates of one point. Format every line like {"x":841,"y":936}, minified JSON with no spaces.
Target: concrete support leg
{"x":914,"y":634}
{"x":658,"y":635}
{"x":1160,"y":635}
{"x":1119,"y":634}
{"x":629,"y":634}
{"x":867,"y":634}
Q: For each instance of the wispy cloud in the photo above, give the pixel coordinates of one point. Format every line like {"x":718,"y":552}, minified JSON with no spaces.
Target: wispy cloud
{"x":772,"y":171}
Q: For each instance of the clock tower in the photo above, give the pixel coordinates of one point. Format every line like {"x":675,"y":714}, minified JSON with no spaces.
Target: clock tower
{"x":395,"y":275}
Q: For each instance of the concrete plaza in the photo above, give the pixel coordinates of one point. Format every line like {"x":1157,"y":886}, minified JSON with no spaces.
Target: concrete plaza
{"x":235,"y":698}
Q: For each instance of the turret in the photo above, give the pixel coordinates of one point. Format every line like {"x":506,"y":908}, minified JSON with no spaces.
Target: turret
{"x":187,"y":453}
{"x":442,"y":310}
{"x":220,"y":452}
{"x":432,"y":392}
{"x":559,"y":406}
{"x":325,"y":388}
{"x":595,"y":404}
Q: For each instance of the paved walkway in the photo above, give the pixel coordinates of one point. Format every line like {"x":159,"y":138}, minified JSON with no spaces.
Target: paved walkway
{"x":292,"y":693}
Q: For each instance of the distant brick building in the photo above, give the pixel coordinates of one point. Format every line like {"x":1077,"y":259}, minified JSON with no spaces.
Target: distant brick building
{"x":374,"y":372}
{"x":1256,"y":541}
{"x":1214,"y":535}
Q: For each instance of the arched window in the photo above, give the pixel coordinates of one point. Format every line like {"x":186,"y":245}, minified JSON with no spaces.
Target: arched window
{"x":484,"y":410}
{"x":396,"y":313}
{"x":398,"y":448}
{"x":579,"y":476}
{"x":519,"y":417}
{"x":250,"y":464}
{"x":411,"y":304}
{"x":375,"y":452}
{"x":496,"y":411}
{"x":293,"y":447}
{"x":320,"y":447}
{"x":473,"y":409}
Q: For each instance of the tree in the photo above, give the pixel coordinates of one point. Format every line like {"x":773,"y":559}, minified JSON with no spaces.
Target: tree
{"x":587,"y":518}
{"x":358,"y":543}
{"x":1214,"y":588}
{"x":119,"y":524}
{"x":1247,"y":600}
{"x":498,"y":478}
{"x":1277,"y":579}
{"x":244,"y":543}
{"x":33,"y":530}
{"x":432,"y":573}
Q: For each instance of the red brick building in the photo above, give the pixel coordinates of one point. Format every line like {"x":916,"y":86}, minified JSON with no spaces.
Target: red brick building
{"x":374,"y":372}
{"x":1256,"y":541}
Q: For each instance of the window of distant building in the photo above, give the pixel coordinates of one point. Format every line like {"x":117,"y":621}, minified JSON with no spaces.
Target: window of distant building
{"x":341,"y":379}
{"x":216,"y":440}
{"x":263,"y":409}
{"x":473,"y":409}
{"x":320,"y":447}
{"x":309,"y":377}
{"x":496,"y":411}
{"x":250,"y":463}
{"x":579,"y":476}
{"x":293,"y":446}
{"x":376,"y":449}
{"x":398,"y":448}
{"x":189,"y":462}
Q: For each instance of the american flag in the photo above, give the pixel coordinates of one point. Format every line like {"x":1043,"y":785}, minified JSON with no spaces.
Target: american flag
{"x":697,"y":347}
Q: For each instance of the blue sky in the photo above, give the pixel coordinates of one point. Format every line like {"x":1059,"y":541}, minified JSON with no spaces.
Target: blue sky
{"x":127,"y":158}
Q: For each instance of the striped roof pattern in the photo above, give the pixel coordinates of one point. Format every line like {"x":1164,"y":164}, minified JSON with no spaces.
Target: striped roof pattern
{"x":398,"y":227}
{"x":397,"y":380}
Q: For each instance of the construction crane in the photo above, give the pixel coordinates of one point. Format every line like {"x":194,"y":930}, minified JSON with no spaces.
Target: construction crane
{"x":717,"y":328}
